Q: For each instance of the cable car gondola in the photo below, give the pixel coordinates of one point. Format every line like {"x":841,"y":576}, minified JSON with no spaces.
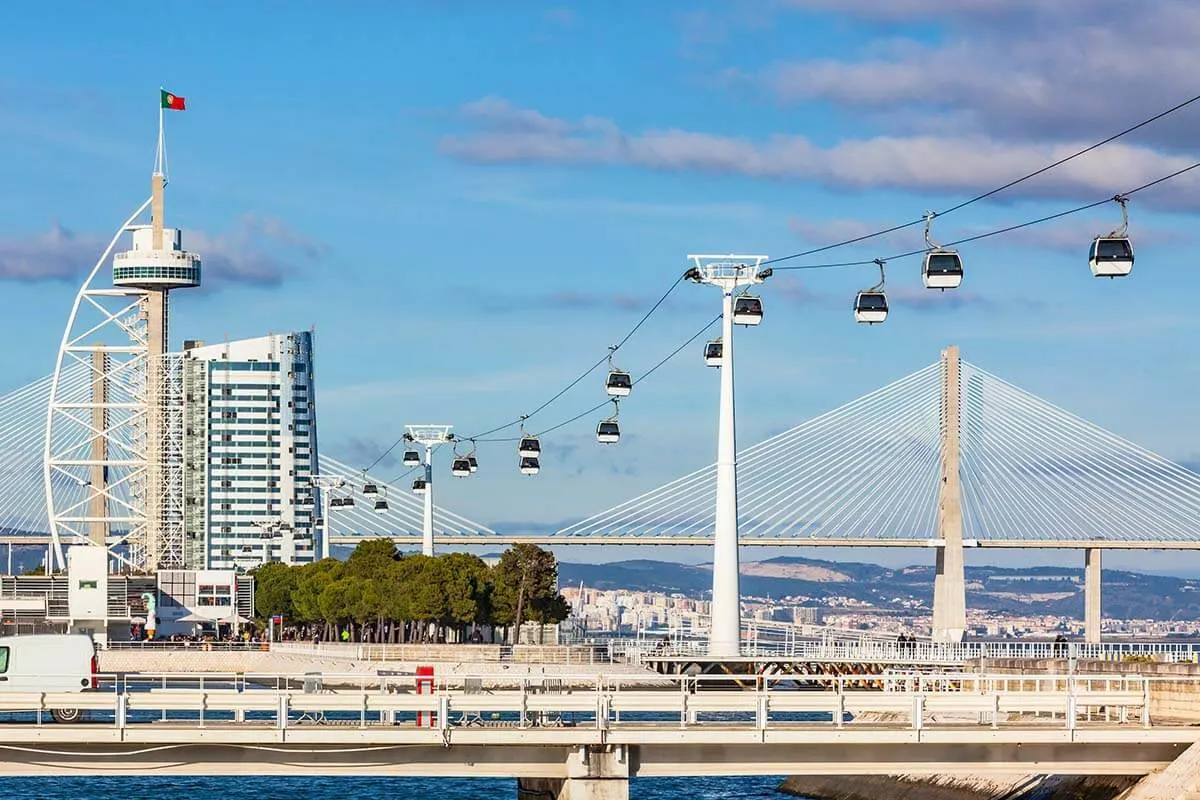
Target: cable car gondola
{"x":713,"y":352}
{"x":530,"y":465}
{"x":460,"y":467}
{"x":347,"y":502}
{"x":381,"y":505}
{"x":747,"y":310}
{"x":419,"y":486}
{"x":608,"y":432}
{"x":618,"y":383}
{"x":529,"y":447}
{"x":942,"y":267}
{"x":411,"y":458}
{"x":1111,"y":256}
{"x":370,"y":488}
{"x":870,"y":305}
{"x":336,"y":502}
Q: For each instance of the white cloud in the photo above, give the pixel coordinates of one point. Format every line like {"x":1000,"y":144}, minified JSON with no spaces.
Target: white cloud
{"x":964,"y":164}
{"x":1019,"y":69}
{"x":252,"y":252}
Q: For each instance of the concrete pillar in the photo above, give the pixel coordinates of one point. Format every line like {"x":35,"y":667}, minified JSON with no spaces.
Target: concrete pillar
{"x":98,"y":474}
{"x":572,"y":789}
{"x":949,"y":586}
{"x":1091,"y":594}
{"x":592,"y":773}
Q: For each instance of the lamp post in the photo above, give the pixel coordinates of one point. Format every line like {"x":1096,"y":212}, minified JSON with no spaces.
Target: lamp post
{"x":728,"y":273}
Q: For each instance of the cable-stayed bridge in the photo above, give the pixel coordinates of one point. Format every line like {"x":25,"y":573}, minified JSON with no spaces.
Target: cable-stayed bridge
{"x":865,"y":473}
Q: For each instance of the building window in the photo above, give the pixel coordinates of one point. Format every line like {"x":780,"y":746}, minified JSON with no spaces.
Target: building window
{"x":214,"y":595}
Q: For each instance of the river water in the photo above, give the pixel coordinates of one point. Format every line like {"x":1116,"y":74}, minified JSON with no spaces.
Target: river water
{"x":167,"y":788}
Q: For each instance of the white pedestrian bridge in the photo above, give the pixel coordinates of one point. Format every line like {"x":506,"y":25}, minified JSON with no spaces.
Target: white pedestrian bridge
{"x":594,"y":731}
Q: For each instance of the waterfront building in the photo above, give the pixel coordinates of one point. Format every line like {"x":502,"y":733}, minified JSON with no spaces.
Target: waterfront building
{"x":250,"y":448}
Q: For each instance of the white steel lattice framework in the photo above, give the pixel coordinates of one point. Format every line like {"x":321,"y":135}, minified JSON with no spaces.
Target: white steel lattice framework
{"x":95,"y":465}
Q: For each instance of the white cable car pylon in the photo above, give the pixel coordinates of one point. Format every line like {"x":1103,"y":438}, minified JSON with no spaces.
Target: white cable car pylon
{"x":942,"y":266}
{"x":728,"y":273}
{"x":870,"y":305}
{"x":1112,"y":255}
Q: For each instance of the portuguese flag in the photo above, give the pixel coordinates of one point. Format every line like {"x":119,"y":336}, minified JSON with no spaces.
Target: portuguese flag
{"x":173,"y":101}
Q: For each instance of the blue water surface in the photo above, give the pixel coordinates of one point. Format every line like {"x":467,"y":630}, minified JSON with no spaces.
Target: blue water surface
{"x":341,"y":788}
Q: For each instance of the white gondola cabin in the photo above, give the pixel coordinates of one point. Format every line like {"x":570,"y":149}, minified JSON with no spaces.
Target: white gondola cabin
{"x":370,"y":488}
{"x":381,"y":506}
{"x":618,"y":383}
{"x":336,"y":502}
{"x":608,"y":432}
{"x":870,"y":307}
{"x":529,"y":447}
{"x":530,"y":465}
{"x":460,"y":467}
{"x":942,"y":269}
{"x":1111,"y":256}
{"x":712,"y":353}
{"x":747,"y":310}
{"x":411,"y":458}
{"x":347,"y":502}
{"x":419,"y":486}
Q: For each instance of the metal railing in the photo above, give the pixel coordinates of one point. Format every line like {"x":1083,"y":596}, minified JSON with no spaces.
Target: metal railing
{"x":604,"y":702}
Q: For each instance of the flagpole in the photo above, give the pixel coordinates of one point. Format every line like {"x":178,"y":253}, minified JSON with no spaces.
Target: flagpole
{"x":160,"y":160}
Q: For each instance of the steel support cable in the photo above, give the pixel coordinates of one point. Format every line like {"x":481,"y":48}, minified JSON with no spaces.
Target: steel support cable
{"x":698,"y":486}
{"x":397,"y":496}
{"x":825,"y":469}
{"x":823,"y":497}
{"x":1024,"y":481}
{"x":701,"y":486}
{"x":1000,"y":231}
{"x":1012,"y":483}
{"x":1181,"y":479}
{"x":608,"y":401}
{"x":565,"y":389}
{"x":830,"y":503}
{"x":990,"y":193}
{"x":1089,"y":460}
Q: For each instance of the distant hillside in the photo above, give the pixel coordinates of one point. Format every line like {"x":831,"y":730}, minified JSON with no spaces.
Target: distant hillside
{"x":1043,"y":590}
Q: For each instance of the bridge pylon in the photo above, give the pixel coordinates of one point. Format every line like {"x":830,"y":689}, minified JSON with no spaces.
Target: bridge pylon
{"x":949,"y":584}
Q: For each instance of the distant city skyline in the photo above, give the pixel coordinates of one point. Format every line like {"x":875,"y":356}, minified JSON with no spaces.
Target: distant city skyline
{"x":469,"y":217}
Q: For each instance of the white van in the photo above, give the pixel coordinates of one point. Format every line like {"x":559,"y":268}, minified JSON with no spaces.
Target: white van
{"x":48,"y":663}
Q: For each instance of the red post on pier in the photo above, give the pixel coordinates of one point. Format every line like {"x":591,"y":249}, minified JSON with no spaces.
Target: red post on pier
{"x":425,"y":719}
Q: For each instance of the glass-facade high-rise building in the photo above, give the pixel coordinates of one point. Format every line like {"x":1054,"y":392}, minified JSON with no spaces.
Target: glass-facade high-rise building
{"x":250,"y":448}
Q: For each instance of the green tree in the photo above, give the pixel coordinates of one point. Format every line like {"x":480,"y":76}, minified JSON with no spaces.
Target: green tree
{"x":526,"y":580}
{"x":274,"y":588}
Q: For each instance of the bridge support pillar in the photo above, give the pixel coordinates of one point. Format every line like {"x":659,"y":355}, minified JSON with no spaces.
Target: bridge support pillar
{"x":1091,"y":594}
{"x":572,"y":789}
{"x":949,"y":583}
{"x":593,"y":773}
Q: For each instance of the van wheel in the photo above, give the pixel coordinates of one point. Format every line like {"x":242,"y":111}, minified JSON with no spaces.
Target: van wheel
{"x":66,"y":715}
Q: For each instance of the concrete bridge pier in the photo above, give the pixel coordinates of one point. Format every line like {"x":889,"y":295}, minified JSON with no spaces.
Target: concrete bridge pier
{"x":1091,"y":594}
{"x":593,"y":773}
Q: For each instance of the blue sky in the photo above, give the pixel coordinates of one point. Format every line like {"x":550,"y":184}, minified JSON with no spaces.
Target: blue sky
{"x":470,"y":203}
